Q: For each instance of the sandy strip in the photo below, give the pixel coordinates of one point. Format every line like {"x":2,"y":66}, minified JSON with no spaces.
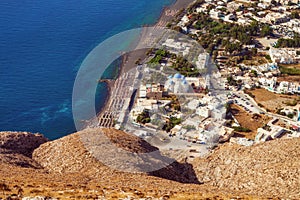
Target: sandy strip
{"x":129,"y":59}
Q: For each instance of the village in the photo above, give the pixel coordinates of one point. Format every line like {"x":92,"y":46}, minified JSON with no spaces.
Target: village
{"x":243,"y":87}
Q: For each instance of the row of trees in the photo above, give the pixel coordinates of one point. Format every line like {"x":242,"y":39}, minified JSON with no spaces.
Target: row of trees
{"x":180,"y":64}
{"x":292,"y":43}
{"x":214,"y":33}
{"x":242,"y":33}
{"x":185,"y":68}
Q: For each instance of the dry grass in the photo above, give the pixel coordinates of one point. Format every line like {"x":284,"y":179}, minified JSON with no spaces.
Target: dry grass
{"x":76,"y":186}
{"x":257,"y":60}
{"x":288,"y":78}
{"x":249,"y":121}
{"x":295,"y":65}
{"x":271,"y":101}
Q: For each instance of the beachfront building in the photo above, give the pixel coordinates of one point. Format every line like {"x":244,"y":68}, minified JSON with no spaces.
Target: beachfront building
{"x":177,"y":47}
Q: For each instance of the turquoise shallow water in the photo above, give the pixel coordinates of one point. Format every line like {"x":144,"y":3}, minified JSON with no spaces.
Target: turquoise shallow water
{"x":42,"y":46}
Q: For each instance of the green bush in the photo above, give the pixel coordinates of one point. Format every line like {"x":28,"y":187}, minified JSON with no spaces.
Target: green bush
{"x":241,"y":129}
{"x":289,"y":71}
{"x":290,"y":115}
{"x":143,"y":118}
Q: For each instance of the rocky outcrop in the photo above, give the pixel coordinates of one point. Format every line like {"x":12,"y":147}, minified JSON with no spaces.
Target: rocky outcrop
{"x":16,"y":148}
{"x":267,"y":169}
{"x":21,"y":142}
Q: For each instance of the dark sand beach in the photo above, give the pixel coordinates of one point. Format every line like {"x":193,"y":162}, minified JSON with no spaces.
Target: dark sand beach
{"x":129,"y":60}
{"x":168,"y":13}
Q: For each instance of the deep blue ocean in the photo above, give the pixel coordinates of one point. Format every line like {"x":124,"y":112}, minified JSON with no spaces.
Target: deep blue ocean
{"x":42,"y":44}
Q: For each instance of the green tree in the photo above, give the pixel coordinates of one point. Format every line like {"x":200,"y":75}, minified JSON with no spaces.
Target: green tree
{"x":254,"y":72}
{"x":144,"y":117}
{"x":266,"y":30}
{"x":253,"y":51}
{"x":295,"y":15}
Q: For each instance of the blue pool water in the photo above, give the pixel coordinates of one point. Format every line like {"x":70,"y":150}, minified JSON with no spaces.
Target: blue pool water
{"x":42,"y":44}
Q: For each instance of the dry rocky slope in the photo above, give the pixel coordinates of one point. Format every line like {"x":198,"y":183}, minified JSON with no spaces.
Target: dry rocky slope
{"x":65,"y":168}
{"x":271,"y":168}
{"x":71,"y":155}
{"x":16,"y":148}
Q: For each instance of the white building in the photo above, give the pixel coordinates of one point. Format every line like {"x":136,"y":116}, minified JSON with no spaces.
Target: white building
{"x":204,"y":112}
{"x":276,"y":18}
{"x":176,"y":47}
{"x":202,"y":61}
{"x":268,"y":83}
{"x":215,"y":14}
{"x":284,"y":55}
{"x":177,"y":84}
{"x":183,"y":21}
{"x":264,"y":135}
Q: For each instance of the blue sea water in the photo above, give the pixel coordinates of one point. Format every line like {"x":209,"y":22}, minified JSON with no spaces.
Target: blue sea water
{"x":42,"y":44}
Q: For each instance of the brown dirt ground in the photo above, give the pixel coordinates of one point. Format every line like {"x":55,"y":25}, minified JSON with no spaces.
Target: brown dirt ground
{"x":289,"y":78}
{"x":282,"y":124}
{"x":270,"y":100}
{"x":258,"y":60}
{"x":248,"y":120}
{"x":296,"y":65}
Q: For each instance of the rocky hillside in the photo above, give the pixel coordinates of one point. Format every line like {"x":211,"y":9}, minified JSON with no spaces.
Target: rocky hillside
{"x":65,"y":168}
{"x":69,"y":171}
{"x":88,"y":151}
{"x":16,"y":148}
{"x":21,"y":142}
{"x":267,"y":169}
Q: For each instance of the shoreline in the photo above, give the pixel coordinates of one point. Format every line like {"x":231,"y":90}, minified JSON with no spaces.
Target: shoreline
{"x":167,"y":14}
{"x":129,"y":59}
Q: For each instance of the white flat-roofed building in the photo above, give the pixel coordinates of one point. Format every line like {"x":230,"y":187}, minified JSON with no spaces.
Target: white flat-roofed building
{"x":276,"y":18}
{"x":202,"y":61}
{"x":284,"y":55}
{"x":177,"y":47}
{"x":193,"y":104}
{"x":197,"y":81}
{"x":215,"y":14}
{"x":230,"y":17}
{"x":143,"y":92}
{"x":270,"y":84}
{"x":264,"y":135}
{"x":203,"y":111}
{"x":185,"y":19}
{"x":243,"y":21}
{"x":283,"y":2}
{"x":203,"y":8}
